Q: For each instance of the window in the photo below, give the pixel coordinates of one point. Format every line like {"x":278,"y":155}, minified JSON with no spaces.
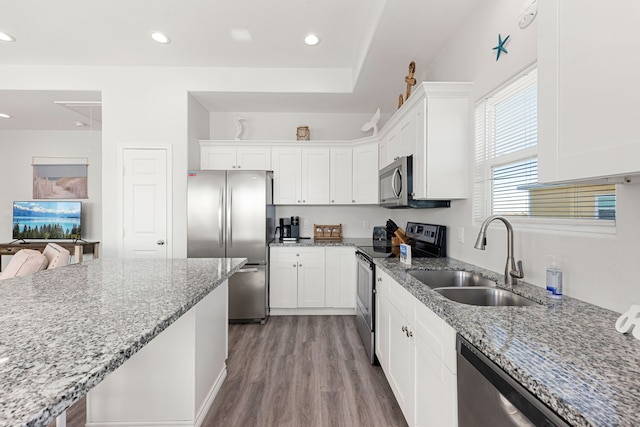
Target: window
{"x":506,"y":165}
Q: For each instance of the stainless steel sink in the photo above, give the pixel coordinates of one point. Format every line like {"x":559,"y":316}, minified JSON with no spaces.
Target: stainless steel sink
{"x":485,"y":296}
{"x":450,"y":278}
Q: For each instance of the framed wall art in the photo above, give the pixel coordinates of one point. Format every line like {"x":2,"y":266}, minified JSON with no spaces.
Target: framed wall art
{"x":60,"y":178}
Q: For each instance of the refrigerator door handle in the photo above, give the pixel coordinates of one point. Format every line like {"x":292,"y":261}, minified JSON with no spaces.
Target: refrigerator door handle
{"x":220,"y":204}
{"x":229,"y":224}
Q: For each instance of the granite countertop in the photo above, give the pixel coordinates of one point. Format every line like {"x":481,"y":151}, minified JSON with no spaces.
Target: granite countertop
{"x":566,"y":352}
{"x":63,"y":330}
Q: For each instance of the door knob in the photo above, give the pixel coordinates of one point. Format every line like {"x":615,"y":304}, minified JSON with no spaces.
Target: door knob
{"x":160,"y":242}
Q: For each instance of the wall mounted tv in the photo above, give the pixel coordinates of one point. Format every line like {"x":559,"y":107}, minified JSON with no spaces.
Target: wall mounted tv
{"x":47,"y":220}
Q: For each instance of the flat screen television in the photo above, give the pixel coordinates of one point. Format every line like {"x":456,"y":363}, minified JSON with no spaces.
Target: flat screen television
{"x":47,"y":220}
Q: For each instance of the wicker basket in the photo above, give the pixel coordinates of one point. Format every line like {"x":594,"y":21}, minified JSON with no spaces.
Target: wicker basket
{"x":327,"y":233}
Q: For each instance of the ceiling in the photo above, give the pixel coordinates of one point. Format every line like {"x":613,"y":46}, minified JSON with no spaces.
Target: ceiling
{"x":374,"y":39}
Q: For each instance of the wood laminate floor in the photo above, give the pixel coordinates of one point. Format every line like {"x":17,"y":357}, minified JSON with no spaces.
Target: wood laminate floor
{"x":297,"y":371}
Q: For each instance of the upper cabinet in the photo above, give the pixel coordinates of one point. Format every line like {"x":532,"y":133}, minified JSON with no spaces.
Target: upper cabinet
{"x":301,"y":176}
{"x":433,"y":127}
{"x":230,"y":157}
{"x":354,"y":174}
{"x":588,"y":92}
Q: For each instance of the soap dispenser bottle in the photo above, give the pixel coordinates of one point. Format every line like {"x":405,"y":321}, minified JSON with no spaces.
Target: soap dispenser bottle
{"x":554,"y":278}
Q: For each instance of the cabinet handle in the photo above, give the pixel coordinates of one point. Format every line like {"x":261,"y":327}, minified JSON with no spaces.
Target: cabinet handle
{"x":304,"y":201}
{"x":404,"y":329}
{"x":295,"y":265}
{"x":299,"y":265}
{"x":332,"y":201}
{"x":234,"y":166}
{"x":353,"y":201}
{"x":298,"y":201}
{"x":409,"y":333}
{"x":239,"y":166}
{"x":379,"y":279}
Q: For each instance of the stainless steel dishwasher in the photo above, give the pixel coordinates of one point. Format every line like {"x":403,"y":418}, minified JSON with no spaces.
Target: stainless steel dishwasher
{"x":488,"y":396}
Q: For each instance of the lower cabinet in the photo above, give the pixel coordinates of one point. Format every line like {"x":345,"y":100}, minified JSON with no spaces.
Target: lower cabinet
{"x":340,"y":275}
{"x":313,"y":278}
{"x":416,"y":350}
{"x":297,"y":277}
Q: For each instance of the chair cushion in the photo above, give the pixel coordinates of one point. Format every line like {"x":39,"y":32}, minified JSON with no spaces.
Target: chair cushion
{"x":25,"y":261}
{"x":56,"y":255}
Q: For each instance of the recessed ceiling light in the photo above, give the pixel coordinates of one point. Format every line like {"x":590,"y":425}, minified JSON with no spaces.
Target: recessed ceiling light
{"x":311,"y":39}
{"x":5,"y":116}
{"x":6,"y":37}
{"x":241,"y":34}
{"x":160,"y":37}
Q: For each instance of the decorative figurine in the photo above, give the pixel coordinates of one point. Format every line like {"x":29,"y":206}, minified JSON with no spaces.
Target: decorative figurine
{"x":409,"y":79}
{"x":303,"y":134}
{"x":239,"y":128}
{"x":400,"y":101}
{"x":372,"y":124}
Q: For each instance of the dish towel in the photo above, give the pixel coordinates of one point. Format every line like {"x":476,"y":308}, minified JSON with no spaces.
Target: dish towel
{"x":630,"y":322}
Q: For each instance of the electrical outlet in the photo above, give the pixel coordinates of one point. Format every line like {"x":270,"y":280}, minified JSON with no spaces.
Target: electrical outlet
{"x":306,"y":223}
{"x":365,"y":224}
{"x":460,"y":234}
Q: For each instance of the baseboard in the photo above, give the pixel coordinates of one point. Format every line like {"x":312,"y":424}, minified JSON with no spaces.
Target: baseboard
{"x":141,"y":424}
{"x":204,"y":409}
{"x":312,"y":312}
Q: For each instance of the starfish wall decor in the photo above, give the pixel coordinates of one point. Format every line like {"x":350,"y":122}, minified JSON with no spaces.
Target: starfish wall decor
{"x":500,"y":48}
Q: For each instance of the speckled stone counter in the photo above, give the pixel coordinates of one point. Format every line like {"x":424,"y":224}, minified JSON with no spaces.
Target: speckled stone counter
{"x":64,"y":330}
{"x":566,"y":352}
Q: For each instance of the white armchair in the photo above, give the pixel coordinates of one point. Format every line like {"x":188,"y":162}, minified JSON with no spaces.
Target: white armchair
{"x":56,"y":255}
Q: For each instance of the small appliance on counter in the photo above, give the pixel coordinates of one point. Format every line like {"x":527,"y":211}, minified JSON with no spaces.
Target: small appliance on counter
{"x":381,"y":237}
{"x":295,"y":227}
{"x":283,"y":231}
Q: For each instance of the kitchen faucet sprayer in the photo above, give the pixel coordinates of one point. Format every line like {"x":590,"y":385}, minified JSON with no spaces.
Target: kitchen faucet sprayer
{"x":511,"y":272}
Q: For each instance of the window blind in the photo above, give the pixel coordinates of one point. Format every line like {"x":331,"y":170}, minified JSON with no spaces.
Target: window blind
{"x":506,"y":164}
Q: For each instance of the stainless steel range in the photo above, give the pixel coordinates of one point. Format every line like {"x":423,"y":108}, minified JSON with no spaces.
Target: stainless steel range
{"x":426,"y":240}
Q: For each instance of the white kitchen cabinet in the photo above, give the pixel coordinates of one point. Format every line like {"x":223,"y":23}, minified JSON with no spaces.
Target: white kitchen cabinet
{"x":434,"y":356}
{"x":227,"y":157}
{"x":416,"y":350}
{"x":315,"y":176}
{"x":297,"y":277}
{"x":365,"y":174}
{"x":341,"y":177}
{"x":286,"y":175}
{"x":588,"y":90}
{"x":301,"y":176}
{"x":340,"y":274}
{"x":433,"y":127}
{"x":354,"y":175}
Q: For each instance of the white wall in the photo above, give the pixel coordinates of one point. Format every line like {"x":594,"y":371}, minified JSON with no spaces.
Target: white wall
{"x":596,"y":267}
{"x":282,"y":126}
{"x":18,"y":149}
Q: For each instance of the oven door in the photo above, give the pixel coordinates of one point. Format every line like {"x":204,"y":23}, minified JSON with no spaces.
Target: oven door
{"x":365,"y":304}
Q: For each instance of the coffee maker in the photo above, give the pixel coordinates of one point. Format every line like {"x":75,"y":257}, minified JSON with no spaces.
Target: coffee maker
{"x":284,"y":228}
{"x":295,"y":226}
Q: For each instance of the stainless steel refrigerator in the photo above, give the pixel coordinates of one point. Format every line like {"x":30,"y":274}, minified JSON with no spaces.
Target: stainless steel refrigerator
{"x":231,"y":215}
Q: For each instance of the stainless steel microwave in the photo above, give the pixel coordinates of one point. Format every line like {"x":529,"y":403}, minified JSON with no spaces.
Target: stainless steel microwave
{"x":396,"y":187}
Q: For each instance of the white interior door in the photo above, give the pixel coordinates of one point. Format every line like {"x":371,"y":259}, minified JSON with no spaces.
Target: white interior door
{"x":145,"y":203}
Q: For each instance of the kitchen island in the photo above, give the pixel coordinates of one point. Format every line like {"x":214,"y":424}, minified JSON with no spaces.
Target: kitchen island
{"x":566,"y":352}
{"x":63,"y":331}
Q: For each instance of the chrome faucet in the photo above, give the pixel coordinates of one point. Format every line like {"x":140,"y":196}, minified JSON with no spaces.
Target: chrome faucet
{"x":511,"y":272}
